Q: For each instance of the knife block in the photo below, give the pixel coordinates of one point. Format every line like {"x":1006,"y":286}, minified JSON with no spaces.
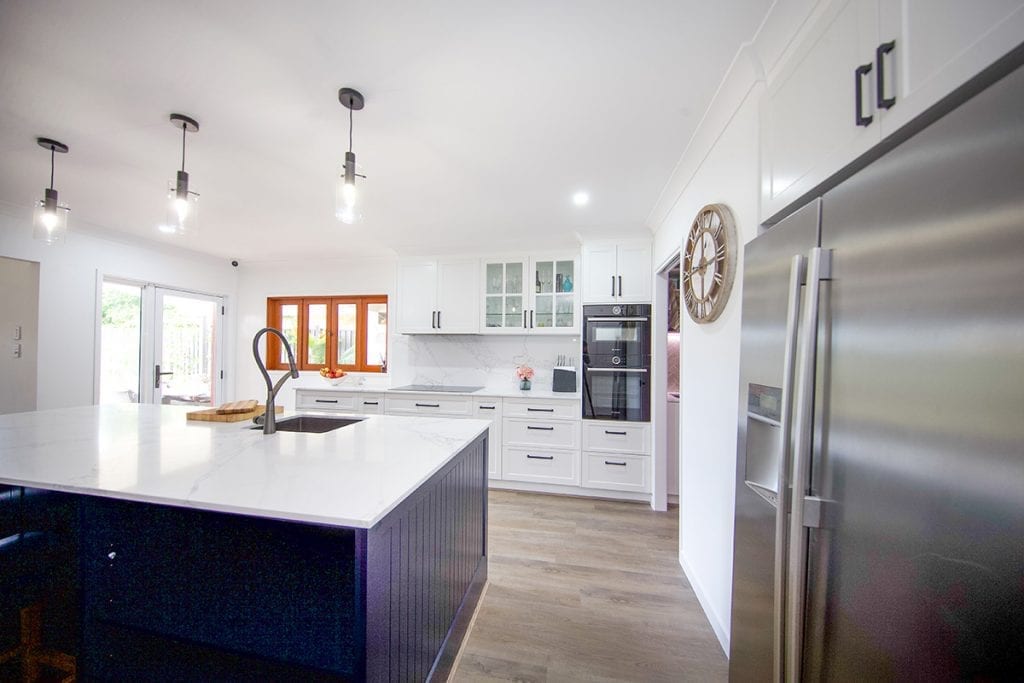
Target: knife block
{"x":563,"y":379}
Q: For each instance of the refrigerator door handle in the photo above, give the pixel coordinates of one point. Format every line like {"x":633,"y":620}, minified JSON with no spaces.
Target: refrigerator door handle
{"x":797,"y":276}
{"x":818,"y":268}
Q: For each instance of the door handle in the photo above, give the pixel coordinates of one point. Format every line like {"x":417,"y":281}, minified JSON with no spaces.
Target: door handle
{"x":797,"y":274}
{"x":858,"y":99}
{"x":157,"y":375}
{"x":613,"y":285}
{"x":819,"y":267}
{"x":620,"y":285}
{"x":880,"y":52}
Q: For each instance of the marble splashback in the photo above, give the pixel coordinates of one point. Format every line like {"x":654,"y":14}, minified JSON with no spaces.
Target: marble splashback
{"x":475,"y":359}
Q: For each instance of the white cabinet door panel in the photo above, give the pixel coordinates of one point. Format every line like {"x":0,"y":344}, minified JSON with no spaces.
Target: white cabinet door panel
{"x":599,"y":272}
{"x":634,"y":263}
{"x":458,"y":304}
{"x":417,"y":297}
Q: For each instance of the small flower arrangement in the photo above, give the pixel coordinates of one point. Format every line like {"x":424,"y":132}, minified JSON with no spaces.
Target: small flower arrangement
{"x":525,"y":374}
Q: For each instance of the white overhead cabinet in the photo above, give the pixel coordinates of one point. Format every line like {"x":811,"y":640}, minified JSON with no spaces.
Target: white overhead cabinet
{"x":530,"y":295}
{"x":617,"y":273}
{"x":861,"y":71}
{"x":438,"y":297}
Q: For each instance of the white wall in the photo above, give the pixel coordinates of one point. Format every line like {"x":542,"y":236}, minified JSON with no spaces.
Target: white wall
{"x":67,"y":296}
{"x":412,"y":359}
{"x":19,"y":310}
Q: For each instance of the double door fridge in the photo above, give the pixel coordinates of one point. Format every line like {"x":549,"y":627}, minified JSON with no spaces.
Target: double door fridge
{"x":879,"y":529}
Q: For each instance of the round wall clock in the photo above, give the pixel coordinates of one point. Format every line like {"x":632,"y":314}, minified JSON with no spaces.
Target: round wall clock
{"x":709,"y":263}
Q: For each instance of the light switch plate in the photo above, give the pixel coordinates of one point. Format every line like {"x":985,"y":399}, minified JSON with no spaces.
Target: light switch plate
{"x":17,"y":333}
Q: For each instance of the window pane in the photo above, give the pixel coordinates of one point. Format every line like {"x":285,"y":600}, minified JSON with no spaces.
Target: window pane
{"x":290,"y":328}
{"x":376,"y":334}
{"x":316,"y":331}
{"x":120,"y":343}
{"x":346,"y":334}
{"x":187,"y":344}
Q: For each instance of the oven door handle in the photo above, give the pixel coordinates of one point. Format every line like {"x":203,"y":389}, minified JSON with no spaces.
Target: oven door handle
{"x":616,"y":369}
{"x":617,"y":320}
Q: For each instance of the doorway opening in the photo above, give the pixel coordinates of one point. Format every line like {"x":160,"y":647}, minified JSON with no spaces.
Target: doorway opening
{"x":665,"y":338}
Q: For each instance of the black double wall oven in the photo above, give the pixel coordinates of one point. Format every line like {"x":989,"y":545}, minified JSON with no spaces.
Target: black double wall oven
{"x":617,"y":362}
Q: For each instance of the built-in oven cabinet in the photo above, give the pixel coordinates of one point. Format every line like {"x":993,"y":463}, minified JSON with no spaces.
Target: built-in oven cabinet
{"x":353,"y":402}
{"x":535,"y":294}
{"x":617,"y":394}
{"x":491,"y":409}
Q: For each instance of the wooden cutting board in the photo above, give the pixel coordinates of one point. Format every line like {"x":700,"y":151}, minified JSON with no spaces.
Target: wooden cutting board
{"x":211,"y":415}
{"x":238,"y":407}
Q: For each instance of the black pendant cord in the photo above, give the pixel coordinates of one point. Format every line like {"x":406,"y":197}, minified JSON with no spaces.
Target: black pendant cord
{"x":350,"y":130}
{"x":183,"y":129}
{"x":52,"y":154}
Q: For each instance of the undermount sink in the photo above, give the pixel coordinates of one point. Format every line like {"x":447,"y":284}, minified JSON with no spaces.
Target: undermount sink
{"x":313,"y":424}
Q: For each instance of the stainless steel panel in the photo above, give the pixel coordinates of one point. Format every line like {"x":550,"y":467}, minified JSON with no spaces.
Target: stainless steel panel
{"x":918,"y":572}
{"x":767,"y":264}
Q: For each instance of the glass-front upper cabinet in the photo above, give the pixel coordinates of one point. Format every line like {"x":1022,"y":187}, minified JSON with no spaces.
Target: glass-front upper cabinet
{"x":531,"y":295}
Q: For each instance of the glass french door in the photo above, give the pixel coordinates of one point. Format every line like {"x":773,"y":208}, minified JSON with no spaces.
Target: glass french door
{"x":159,"y":345}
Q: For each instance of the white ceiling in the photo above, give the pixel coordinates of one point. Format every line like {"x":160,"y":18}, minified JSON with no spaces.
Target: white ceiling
{"x":481,"y":120}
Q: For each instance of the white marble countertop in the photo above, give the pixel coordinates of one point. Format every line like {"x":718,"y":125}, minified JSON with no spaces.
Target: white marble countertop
{"x":486,"y":392}
{"x":351,"y":476}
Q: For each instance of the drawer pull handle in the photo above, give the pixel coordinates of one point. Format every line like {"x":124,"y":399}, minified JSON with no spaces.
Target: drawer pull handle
{"x":612,"y":462}
{"x":371,"y":403}
{"x":428,"y":405}
{"x":326,"y":400}
{"x":540,"y":457}
{"x":541,"y":429}
{"x":486,"y":407}
{"x":540,"y":410}
{"x":615,"y":433}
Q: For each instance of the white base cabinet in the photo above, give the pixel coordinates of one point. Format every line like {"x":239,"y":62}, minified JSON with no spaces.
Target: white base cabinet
{"x":617,"y":456}
{"x":490,"y":409}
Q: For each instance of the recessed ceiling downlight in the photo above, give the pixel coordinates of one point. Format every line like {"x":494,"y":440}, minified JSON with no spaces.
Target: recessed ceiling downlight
{"x":581,"y":198}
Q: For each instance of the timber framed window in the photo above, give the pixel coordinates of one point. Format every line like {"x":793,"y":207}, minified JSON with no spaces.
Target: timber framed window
{"x":347,"y":332}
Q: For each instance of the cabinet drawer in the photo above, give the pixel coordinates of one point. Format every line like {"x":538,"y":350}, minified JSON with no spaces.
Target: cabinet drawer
{"x":525,"y":407}
{"x":370,"y":404}
{"x":616,"y":437}
{"x":429,"y":405}
{"x":551,"y":433}
{"x":327,"y":400}
{"x":616,"y":472}
{"x":541,"y":465}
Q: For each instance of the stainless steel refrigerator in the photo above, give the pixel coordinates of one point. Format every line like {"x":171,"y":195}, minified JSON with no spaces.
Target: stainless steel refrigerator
{"x":880,"y":473}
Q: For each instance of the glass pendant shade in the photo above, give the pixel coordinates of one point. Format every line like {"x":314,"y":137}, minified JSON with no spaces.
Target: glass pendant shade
{"x":50,"y":219}
{"x":345,"y":194}
{"x":182,"y":208}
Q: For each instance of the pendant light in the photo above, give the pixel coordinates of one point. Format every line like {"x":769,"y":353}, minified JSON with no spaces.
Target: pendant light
{"x":50,"y":218}
{"x":345,"y":189}
{"x":183,"y":204}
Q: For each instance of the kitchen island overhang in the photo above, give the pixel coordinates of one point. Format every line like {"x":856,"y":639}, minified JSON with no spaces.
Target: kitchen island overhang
{"x":310,"y":573}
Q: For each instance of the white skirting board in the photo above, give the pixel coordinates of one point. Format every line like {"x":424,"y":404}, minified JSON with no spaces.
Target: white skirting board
{"x":717,"y":625}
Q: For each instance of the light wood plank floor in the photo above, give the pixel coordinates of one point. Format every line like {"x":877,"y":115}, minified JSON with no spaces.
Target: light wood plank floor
{"x":586,"y":590}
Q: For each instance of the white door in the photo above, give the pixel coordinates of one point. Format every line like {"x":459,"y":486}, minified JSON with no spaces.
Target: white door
{"x":634,"y":265}
{"x":599,"y":272}
{"x":458,"y":297}
{"x":938,"y":45}
{"x":187,"y":349}
{"x":417,"y":297}
{"x":808,"y":113}
{"x":159,"y":345}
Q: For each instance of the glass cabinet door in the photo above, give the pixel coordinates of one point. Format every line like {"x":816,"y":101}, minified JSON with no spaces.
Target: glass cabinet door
{"x":555,"y":294}
{"x":504,"y":295}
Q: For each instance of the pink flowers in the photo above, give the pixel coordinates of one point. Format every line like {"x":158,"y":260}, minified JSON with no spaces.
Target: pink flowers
{"x":524,"y":372}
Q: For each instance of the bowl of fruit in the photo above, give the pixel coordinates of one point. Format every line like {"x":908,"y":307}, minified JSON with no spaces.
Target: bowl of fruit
{"x":332,"y":375}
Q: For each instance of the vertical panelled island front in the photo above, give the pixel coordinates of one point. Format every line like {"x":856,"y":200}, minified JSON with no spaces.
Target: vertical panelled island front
{"x":213,"y":551}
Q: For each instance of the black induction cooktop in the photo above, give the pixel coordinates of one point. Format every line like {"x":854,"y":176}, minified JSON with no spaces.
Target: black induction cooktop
{"x":445,"y":388}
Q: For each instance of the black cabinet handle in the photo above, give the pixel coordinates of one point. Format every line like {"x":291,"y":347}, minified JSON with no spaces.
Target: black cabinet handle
{"x":524,"y":319}
{"x":325,"y":400}
{"x":613,"y":285}
{"x":531,"y":318}
{"x":540,"y":457}
{"x":612,"y":462}
{"x":433,"y":320}
{"x":486,"y":407}
{"x":541,"y":429}
{"x":540,"y":410}
{"x":880,"y":52}
{"x":371,"y":403}
{"x":620,"y":285}
{"x":428,"y":405}
{"x":858,"y":99}
{"x":615,"y":433}
{"x":439,"y":320}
